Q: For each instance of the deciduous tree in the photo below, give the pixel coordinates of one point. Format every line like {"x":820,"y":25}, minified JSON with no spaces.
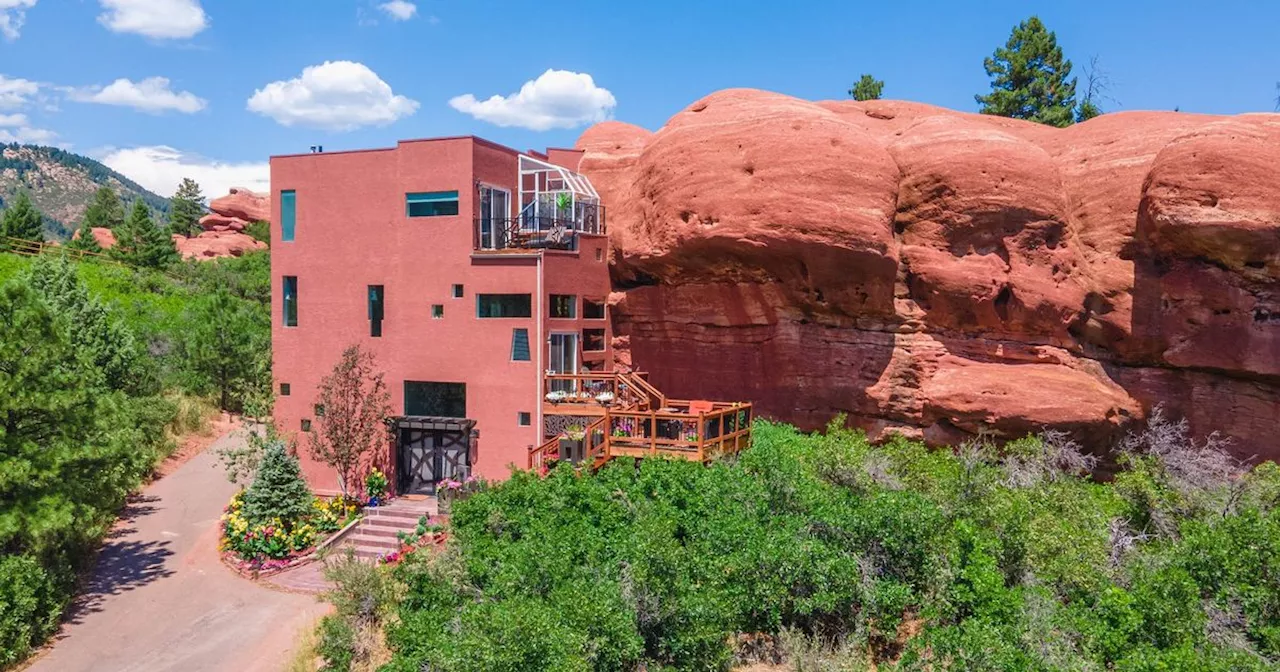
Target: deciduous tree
{"x":867,"y":88}
{"x":1030,"y":78}
{"x":353,"y":405}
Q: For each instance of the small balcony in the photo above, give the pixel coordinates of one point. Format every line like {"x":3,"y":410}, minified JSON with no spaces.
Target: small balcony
{"x":551,"y":230}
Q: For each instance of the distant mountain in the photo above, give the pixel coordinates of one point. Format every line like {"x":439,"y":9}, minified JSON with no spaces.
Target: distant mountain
{"x":61,"y":183}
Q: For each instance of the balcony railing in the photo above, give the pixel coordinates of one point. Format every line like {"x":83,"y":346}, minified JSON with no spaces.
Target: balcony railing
{"x":555,"y":231}
{"x":583,"y":391}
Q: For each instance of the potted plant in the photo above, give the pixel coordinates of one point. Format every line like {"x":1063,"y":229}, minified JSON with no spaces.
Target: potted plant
{"x":556,"y":396}
{"x":571,"y":444}
{"x":605,"y":398}
{"x":375,"y":486}
{"x":564,"y":205}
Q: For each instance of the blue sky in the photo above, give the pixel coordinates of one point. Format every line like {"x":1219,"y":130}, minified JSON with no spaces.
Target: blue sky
{"x":236,"y":91}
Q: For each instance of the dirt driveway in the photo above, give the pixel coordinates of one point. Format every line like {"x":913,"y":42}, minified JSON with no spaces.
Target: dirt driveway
{"x":161,"y":600}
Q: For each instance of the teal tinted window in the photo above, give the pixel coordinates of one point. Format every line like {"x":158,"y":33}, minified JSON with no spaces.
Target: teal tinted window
{"x":375,"y":310}
{"x":431,"y":204}
{"x":290,"y":301}
{"x":447,"y":400}
{"x":288,"y":215}
{"x":519,"y":345}
{"x":504,"y":305}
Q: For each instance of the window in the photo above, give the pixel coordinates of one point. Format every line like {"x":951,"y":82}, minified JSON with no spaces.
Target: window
{"x":319,"y":410}
{"x":437,"y":312}
{"x":290,"y":301}
{"x":524,"y":418}
{"x":431,"y":204}
{"x":457,"y":291}
{"x":375,"y":310}
{"x":504,"y":305}
{"x":284,"y":389}
{"x":564,"y":306}
{"x":592,"y":309}
{"x":519,"y":345}
{"x":592,"y":340}
{"x":447,"y":400}
{"x":288,"y":215}
{"x":306,"y":424}
{"x":599,"y":254}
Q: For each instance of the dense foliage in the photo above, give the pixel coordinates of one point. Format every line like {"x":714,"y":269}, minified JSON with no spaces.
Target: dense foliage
{"x":91,"y":385}
{"x":912,"y":558}
{"x":21,"y":220}
{"x":140,"y":242}
{"x":867,"y":88}
{"x":186,"y":207}
{"x":1030,"y":78}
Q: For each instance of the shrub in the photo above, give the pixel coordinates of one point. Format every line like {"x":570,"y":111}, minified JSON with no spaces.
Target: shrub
{"x":30,"y":606}
{"x":278,"y":491}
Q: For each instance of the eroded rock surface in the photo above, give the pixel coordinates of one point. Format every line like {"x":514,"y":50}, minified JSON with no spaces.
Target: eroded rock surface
{"x":939,"y":273}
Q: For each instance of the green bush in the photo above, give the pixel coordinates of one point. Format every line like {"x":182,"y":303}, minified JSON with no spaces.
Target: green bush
{"x":278,"y":491}
{"x":978,"y":559}
{"x":30,"y":605}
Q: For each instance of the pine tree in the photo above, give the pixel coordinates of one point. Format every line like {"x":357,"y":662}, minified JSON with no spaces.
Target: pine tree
{"x":105,"y":210}
{"x":83,"y":239}
{"x":220,"y":349}
{"x":278,"y":490}
{"x":186,"y":208}
{"x":22,"y":220}
{"x":1029,"y":78}
{"x":141,"y":243}
{"x":867,"y":88}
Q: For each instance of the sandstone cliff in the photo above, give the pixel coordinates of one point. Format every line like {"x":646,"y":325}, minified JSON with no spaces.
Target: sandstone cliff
{"x":938,"y":273}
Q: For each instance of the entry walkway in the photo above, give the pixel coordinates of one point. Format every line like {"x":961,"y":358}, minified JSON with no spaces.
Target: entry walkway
{"x":161,"y":600}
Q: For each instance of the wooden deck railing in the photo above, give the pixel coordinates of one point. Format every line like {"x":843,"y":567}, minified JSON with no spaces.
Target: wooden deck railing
{"x":670,"y":432}
{"x":593,"y":390}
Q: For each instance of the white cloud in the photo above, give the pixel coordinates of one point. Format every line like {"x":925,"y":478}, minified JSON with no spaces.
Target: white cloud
{"x":399,"y":9}
{"x":16,"y":93}
{"x":27,"y":135}
{"x":161,"y":168}
{"x":163,"y":19}
{"x":13,"y":13}
{"x":149,"y":95}
{"x":556,"y":99}
{"x":13,"y":120}
{"x":336,"y":95}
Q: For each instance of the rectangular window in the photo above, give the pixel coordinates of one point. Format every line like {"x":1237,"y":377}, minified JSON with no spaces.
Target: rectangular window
{"x":592,"y":309}
{"x":431,"y":204}
{"x":375,"y":310}
{"x":448,"y":400}
{"x":306,"y":424}
{"x":288,"y":215}
{"x":504,"y":305}
{"x":519,"y":345}
{"x":290,"y":301}
{"x":284,"y":389}
{"x":457,"y":291}
{"x":437,"y":312}
{"x":592,"y":340}
{"x":524,"y":418}
{"x":564,"y":306}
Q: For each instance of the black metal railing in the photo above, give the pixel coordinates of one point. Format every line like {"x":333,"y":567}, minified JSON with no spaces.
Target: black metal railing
{"x":557,"y":231}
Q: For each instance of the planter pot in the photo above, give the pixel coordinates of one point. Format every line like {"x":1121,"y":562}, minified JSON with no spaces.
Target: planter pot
{"x":572,"y":450}
{"x":373,"y":501}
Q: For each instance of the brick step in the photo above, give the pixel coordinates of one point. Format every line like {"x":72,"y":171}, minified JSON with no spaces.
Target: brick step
{"x":399,"y":514}
{"x":390,"y":522}
{"x":361,"y":540}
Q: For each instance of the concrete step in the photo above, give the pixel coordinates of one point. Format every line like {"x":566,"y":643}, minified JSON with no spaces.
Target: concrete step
{"x":361,"y":540}
{"x":401,"y":514}
{"x":394,"y":522}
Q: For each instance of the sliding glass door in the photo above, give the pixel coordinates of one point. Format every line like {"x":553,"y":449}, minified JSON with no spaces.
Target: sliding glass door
{"x":494,"y":212}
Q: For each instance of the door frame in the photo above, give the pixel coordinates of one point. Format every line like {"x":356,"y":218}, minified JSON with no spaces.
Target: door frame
{"x":493,"y":234}
{"x":577,"y":357}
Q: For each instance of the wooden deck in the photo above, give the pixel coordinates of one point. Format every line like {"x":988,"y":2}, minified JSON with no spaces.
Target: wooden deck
{"x":634,"y":419}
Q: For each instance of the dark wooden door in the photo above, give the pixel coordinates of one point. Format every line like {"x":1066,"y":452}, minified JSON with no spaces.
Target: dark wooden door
{"x":427,"y":457}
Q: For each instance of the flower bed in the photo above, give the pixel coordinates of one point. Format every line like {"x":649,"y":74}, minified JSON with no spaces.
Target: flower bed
{"x":427,"y":533}
{"x":278,"y":544}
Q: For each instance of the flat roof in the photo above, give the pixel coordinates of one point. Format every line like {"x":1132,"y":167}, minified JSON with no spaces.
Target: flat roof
{"x":474,"y":138}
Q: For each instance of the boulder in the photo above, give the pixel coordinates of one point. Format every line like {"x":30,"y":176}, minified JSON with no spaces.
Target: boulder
{"x":939,"y":274}
{"x":243,"y":204}
{"x":216,"y":222}
{"x":215,"y":244}
{"x":105,"y":237}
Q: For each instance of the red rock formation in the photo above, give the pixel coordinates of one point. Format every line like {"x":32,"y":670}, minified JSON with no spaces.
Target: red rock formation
{"x":940,"y":273}
{"x":105,"y":237}
{"x":216,"y":222}
{"x":215,"y":244}
{"x":244,"y":204}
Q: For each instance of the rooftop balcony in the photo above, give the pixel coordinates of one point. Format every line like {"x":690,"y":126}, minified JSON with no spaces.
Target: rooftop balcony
{"x":548,"y":229}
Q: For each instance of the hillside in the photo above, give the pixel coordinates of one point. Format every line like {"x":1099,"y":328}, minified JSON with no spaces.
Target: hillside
{"x":61,"y":183}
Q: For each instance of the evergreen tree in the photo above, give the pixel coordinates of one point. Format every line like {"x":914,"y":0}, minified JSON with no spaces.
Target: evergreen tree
{"x":278,"y":490}
{"x":1029,"y":78}
{"x":222,"y":352}
{"x":83,"y":239}
{"x":867,"y":88}
{"x":22,"y":220}
{"x":186,"y":208}
{"x":141,"y":243}
{"x":105,"y":210}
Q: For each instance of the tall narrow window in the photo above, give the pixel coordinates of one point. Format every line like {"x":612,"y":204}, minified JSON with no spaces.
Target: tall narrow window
{"x":375,"y":310}
{"x":519,"y":345}
{"x":431,"y":204}
{"x":290,"y":301}
{"x":564,"y":306}
{"x":288,"y":215}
